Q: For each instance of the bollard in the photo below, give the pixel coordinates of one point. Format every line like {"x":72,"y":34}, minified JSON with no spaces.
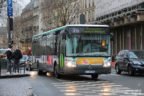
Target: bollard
{"x":0,"y":66}
{"x":10,"y":67}
{"x":24,"y":68}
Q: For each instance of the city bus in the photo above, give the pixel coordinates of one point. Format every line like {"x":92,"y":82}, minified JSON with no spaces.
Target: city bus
{"x":78,"y":49}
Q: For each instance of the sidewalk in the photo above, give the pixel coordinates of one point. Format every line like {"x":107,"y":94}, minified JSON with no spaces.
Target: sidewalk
{"x":5,"y":74}
{"x":15,"y":87}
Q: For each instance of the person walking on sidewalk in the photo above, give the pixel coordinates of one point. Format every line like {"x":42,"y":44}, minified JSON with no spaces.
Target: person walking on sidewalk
{"x":17,"y":55}
{"x":9,"y":58}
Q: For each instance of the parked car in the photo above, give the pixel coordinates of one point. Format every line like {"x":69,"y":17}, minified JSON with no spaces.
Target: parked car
{"x":3,"y":52}
{"x":3,"y":58}
{"x":24,"y":59}
{"x":130,"y":61}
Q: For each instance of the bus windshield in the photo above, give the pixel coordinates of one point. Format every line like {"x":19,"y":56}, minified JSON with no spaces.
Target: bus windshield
{"x":88,"y":45}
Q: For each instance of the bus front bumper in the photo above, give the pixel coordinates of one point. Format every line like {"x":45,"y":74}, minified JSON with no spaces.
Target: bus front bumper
{"x":86,"y":70}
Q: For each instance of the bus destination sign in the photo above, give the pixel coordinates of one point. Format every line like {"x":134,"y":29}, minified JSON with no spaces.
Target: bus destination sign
{"x":88,"y":30}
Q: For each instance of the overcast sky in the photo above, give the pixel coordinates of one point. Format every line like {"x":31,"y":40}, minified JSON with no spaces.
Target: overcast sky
{"x":23,"y":3}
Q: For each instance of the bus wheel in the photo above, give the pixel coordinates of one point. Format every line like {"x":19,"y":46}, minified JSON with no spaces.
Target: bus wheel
{"x":94,"y":76}
{"x":40,"y":72}
{"x":57,"y":75}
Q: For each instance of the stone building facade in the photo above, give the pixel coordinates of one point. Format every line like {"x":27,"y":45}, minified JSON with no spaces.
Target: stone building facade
{"x":17,"y":33}
{"x":46,"y":16}
{"x":29,"y":23}
{"x":87,"y":8}
{"x":3,"y":37}
{"x":126,"y":19}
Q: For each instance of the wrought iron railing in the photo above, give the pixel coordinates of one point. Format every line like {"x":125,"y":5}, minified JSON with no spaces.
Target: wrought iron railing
{"x":9,"y":68}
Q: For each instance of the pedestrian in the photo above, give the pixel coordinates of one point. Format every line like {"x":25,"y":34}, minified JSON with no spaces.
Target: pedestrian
{"x":17,"y":55}
{"x":9,"y":57}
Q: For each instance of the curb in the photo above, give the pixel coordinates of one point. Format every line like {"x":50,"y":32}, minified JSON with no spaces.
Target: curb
{"x":14,"y":76}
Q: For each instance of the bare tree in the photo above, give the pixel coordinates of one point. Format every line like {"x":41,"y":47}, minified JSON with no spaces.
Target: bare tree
{"x":61,"y":12}
{"x":3,"y":17}
{"x":1,"y":5}
{"x":65,"y":11}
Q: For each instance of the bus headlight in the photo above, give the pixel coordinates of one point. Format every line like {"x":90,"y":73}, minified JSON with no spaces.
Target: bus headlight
{"x":70,"y":62}
{"x":107,"y":63}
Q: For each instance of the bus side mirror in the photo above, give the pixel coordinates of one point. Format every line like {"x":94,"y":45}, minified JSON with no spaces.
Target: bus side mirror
{"x":112,"y":36}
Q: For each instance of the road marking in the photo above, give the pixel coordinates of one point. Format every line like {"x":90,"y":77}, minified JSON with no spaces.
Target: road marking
{"x":113,"y":74}
{"x":95,"y":88}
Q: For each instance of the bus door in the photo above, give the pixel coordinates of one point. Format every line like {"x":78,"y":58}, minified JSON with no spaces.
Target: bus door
{"x":62,"y":41}
{"x":43,"y":50}
{"x":49,"y":52}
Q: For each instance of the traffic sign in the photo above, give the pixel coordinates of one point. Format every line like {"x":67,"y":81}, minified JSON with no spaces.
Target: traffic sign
{"x":9,"y":3}
{"x":10,"y":11}
{"x":9,"y":8}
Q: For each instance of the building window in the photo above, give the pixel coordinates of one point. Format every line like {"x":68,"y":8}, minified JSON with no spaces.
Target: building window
{"x":93,"y":4}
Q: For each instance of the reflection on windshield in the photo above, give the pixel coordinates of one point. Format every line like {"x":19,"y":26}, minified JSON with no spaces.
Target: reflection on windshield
{"x":88,"y":45}
{"x":132,"y":55}
{"x":140,"y":54}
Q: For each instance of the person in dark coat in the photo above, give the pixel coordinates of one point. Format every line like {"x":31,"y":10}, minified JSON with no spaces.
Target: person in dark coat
{"x":17,"y":55}
{"x":9,"y":57}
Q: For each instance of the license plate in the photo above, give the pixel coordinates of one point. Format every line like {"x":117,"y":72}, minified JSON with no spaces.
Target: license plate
{"x":90,"y":71}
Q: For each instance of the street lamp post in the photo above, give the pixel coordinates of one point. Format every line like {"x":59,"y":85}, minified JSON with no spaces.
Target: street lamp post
{"x":10,"y":22}
{"x":27,"y":43}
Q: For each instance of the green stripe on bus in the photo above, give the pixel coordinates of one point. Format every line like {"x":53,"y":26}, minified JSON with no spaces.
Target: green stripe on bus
{"x":61,"y":61}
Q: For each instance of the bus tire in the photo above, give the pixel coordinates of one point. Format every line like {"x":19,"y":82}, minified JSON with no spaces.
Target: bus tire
{"x":94,"y":76}
{"x":57,"y":75}
{"x":40,"y":72}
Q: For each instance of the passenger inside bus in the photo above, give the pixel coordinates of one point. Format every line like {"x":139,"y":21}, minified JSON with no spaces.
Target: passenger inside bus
{"x":90,"y":46}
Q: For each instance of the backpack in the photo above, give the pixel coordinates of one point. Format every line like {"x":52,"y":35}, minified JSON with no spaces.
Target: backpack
{"x":17,"y":54}
{"x":9,"y":54}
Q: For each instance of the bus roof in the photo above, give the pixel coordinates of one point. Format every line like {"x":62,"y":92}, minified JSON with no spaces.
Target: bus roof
{"x":87,"y":25}
{"x":50,"y":31}
{"x":71,"y":25}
